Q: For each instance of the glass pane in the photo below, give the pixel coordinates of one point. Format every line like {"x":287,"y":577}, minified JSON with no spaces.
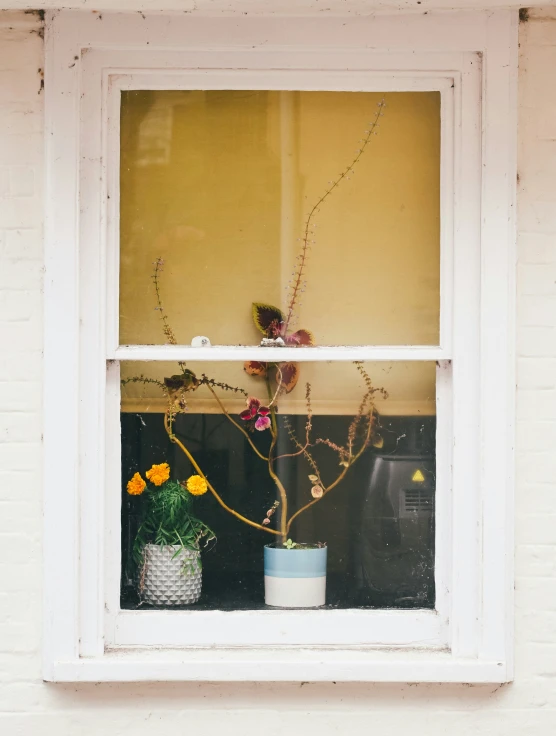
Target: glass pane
{"x":378,"y":448}
{"x":221,"y":185}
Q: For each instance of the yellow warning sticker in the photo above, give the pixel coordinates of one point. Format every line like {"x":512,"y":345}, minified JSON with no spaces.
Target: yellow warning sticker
{"x":417,"y":477}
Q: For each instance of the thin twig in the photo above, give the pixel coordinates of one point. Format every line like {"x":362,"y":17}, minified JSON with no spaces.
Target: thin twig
{"x":351,"y":461}
{"x":302,"y":449}
{"x":166,"y":327}
{"x":238,"y":426}
{"x":222,"y":503}
{"x":302,"y":258}
{"x":226,"y":386}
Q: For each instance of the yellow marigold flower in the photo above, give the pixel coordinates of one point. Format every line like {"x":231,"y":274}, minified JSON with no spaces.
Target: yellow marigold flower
{"x":158,"y":474}
{"x":197,"y":485}
{"x":136,"y":485}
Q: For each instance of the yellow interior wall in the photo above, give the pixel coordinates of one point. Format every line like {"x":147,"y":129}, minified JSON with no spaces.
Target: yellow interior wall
{"x":336,"y":388}
{"x":219,"y":184}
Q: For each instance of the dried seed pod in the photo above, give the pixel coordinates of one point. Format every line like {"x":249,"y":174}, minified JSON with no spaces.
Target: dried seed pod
{"x":317,"y":492}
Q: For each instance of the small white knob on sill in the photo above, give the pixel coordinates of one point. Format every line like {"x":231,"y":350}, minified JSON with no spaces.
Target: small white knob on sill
{"x":200,"y":341}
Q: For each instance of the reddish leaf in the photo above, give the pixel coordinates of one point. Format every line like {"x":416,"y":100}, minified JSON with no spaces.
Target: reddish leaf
{"x":287,"y":376}
{"x":255,"y":368}
{"x":267,"y":319}
{"x":301,"y":337}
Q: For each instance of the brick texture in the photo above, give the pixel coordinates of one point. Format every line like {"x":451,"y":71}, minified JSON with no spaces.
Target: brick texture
{"x":28,"y":706}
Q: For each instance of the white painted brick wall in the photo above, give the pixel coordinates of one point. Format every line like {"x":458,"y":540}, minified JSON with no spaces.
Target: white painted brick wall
{"x":29,"y":707}
{"x":21,"y":155}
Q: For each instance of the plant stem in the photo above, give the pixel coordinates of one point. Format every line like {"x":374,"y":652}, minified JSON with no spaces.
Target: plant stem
{"x":271,"y":459}
{"x":351,"y":460}
{"x":281,"y":491}
{"x":166,"y":327}
{"x":316,"y":500}
{"x":272,"y":405}
{"x":224,"y":411}
{"x":296,"y":288}
{"x":184,"y":449}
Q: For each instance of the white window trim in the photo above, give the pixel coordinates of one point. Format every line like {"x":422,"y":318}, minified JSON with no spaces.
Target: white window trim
{"x":88,"y":59}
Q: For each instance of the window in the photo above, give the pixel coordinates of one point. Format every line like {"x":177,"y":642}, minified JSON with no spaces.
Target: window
{"x":216,"y":168}
{"x":217,"y":190}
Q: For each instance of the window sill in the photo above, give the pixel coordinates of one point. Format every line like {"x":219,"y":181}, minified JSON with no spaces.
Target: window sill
{"x":321,"y":630}
{"x":278,"y":665}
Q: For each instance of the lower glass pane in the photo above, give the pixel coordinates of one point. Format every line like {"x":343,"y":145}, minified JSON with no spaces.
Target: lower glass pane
{"x":354,"y":454}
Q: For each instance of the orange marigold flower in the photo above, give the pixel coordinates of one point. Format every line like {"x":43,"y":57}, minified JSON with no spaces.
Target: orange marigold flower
{"x":136,"y":485}
{"x":197,"y":485}
{"x":158,"y":474}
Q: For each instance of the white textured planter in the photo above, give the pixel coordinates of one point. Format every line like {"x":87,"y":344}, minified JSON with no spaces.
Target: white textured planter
{"x":168,"y":580}
{"x":295,"y":578}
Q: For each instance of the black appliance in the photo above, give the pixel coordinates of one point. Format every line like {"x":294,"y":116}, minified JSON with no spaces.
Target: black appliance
{"x":393,"y":553}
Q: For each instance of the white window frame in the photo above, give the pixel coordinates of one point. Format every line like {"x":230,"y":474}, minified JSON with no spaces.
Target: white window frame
{"x":471,"y":58}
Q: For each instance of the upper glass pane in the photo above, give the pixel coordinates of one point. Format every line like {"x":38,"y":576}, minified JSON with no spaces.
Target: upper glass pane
{"x":221,"y":186}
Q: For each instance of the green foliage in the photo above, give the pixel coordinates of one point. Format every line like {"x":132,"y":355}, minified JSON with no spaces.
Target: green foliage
{"x":169,"y":519}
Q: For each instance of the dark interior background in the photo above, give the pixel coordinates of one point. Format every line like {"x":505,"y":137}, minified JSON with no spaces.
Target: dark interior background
{"x":380,"y":553}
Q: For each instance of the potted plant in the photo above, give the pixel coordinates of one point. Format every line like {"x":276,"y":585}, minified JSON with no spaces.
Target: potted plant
{"x":295,"y":573}
{"x":167,"y":545}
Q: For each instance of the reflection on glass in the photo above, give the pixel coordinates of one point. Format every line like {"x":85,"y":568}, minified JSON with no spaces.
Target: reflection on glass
{"x":359,"y":462}
{"x":221,"y":186}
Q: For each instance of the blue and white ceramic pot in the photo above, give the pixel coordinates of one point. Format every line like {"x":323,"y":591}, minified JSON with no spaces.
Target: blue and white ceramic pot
{"x":295,"y":578}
